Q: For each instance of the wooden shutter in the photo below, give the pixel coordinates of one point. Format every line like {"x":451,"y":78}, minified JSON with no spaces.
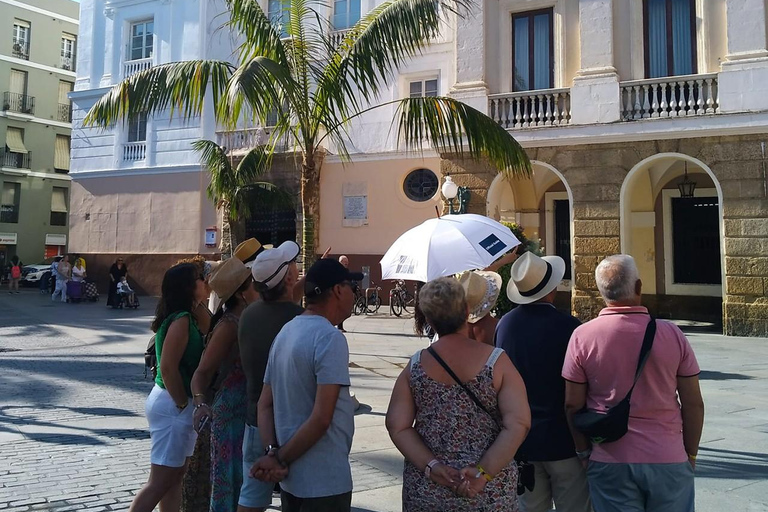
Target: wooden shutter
{"x":18,"y":82}
{"x":59,"y":200}
{"x":61,"y":153}
{"x":64,"y":89}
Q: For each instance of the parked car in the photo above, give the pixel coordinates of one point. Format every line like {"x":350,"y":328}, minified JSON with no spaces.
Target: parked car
{"x":31,"y":274}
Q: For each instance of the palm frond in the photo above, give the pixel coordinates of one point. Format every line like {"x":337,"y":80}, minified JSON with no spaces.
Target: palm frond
{"x":451,"y":126}
{"x":261,"y":36}
{"x":179,"y":86}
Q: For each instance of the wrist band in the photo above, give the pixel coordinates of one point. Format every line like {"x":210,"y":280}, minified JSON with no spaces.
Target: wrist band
{"x":692,"y":457}
{"x":431,"y":464}
{"x":483,"y":473}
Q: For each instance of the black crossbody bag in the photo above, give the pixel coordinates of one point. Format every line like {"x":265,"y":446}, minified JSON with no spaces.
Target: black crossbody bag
{"x":612,"y":425}
{"x":526,"y":479}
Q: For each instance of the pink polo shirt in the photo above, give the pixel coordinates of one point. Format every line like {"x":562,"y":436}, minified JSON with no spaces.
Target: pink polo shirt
{"x":603,"y":353}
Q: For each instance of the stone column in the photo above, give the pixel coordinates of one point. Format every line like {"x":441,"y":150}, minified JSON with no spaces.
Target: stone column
{"x":743,"y":82}
{"x":471,"y":86}
{"x":595,"y":91}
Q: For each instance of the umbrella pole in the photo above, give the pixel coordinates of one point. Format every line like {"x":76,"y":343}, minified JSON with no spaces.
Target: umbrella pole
{"x":437,"y":212}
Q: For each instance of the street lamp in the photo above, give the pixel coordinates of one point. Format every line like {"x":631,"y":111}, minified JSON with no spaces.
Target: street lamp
{"x":686,"y":186}
{"x":452,"y":191}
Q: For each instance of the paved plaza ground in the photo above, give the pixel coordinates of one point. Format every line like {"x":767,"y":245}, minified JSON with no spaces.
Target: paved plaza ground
{"x":73,"y":434}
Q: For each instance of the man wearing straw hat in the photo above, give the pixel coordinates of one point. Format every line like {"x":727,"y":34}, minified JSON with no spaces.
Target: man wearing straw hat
{"x":535,"y":336}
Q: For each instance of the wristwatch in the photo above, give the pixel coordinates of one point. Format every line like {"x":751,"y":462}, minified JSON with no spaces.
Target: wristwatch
{"x":271,"y":448}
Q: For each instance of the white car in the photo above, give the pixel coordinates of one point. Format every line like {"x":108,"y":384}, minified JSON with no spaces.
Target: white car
{"x":31,"y":274}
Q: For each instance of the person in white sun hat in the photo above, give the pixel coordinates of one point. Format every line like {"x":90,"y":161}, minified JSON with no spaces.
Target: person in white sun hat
{"x":535,"y":337}
{"x":482,"y":290}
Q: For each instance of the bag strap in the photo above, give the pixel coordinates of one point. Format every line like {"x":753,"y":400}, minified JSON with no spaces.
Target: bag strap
{"x":458,"y":381}
{"x":645,"y":351}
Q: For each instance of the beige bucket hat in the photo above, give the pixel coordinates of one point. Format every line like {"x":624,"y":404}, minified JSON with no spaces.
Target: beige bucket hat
{"x":482,"y":290}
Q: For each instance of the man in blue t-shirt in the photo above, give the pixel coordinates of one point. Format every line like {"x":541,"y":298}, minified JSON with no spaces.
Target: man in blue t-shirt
{"x":305,"y":413}
{"x":535,"y":337}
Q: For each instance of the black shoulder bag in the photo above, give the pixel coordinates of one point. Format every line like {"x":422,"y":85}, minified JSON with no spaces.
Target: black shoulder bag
{"x":612,"y":425}
{"x":525,"y":469}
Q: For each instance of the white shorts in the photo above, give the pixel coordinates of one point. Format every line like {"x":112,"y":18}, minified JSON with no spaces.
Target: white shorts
{"x":254,"y":493}
{"x":172,"y":436}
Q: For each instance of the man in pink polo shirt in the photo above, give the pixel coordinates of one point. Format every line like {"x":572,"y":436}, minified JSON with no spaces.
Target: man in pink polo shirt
{"x":651,"y":467}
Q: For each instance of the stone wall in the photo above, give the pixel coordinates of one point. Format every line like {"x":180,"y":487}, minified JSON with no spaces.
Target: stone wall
{"x":595,"y":174}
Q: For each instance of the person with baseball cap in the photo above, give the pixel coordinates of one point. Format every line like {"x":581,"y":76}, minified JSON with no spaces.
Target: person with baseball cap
{"x":535,"y":336}
{"x":276,"y":275}
{"x":306,"y":414}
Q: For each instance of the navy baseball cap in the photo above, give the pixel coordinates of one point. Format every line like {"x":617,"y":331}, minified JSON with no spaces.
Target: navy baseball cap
{"x":327,"y":273}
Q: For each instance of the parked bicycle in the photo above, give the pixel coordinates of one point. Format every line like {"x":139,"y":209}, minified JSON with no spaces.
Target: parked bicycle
{"x":370,"y":302}
{"x":400,"y":298}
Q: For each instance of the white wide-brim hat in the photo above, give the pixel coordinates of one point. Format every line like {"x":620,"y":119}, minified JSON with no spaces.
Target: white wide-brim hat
{"x":482,"y":290}
{"x":533,"y":277}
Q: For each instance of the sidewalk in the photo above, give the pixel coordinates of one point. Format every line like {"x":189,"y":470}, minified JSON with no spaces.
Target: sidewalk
{"x":73,"y":434}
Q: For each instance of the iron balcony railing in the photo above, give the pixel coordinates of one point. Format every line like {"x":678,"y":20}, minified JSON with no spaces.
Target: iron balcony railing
{"x":20,"y":48}
{"x":65,"y":112}
{"x":14,"y":160}
{"x":9,"y":213}
{"x":16,"y":102}
{"x":68,"y":61}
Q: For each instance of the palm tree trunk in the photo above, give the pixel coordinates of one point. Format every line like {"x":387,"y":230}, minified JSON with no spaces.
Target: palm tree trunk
{"x":226,"y":231}
{"x":310,"y":205}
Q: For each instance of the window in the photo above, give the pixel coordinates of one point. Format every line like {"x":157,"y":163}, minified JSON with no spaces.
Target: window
{"x":420,"y":185}
{"x":59,"y":206}
{"x":61,"y":154}
{"x":278,"y":14}
{"x":21,"y":39}
{"x":141,"y":40}
{"x":533,"y":51}
{"x":9,"y":210}
{"x":68,"y":52}
{"x":65,"y":106}
{"x":137,"y":128}
{"x":345,"y":13}
{"x":15,"y":155}
{"x":16,"y":99}
{"x":423,"y":88}
{"x":670,"y":37}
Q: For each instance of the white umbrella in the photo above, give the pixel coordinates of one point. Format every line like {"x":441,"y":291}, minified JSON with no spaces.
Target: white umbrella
{"x":447,"y":245}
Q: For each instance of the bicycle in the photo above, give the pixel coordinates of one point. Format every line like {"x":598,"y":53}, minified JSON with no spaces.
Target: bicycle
{"x":400,"y":298}
{"x":370,"y":302}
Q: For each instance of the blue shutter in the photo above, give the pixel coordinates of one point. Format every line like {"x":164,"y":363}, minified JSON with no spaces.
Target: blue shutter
{"x":521,"y":78}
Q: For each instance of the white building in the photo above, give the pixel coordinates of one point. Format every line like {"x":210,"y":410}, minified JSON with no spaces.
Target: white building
{"x":615,"y":100}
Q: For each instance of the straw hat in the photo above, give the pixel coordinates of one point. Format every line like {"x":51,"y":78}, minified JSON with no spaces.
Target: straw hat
{"x":532,"y":277}
{"x":482,"y":290}
{"x":247,"y":250}
{"x":228,"y":277}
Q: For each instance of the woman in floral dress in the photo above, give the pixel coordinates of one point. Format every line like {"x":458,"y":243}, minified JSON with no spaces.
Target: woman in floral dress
{"x":458,"y":455}
{"x":221,"y":369}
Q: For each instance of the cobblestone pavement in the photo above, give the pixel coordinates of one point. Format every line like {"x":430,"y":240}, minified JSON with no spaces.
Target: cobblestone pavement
{"x":73,"y":434}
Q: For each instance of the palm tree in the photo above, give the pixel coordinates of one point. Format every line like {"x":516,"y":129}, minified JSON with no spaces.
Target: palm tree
{"x":315,"y":84}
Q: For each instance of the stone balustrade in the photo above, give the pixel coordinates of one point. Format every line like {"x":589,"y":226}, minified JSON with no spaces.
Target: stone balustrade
{"x":134,"y":151}
{"x":680,"y":96}
{"x":546,"y":107}
{"x":132,"y":67}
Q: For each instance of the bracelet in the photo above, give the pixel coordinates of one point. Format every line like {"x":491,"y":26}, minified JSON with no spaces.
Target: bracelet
{"x":430,"y":465}
{"x":197,"y":395}
{"x":584,"y":454}
{"x":483,"y":473}
{"x":692,"y":457}
{"x":183,"y":406}
{"x":202,"y":405}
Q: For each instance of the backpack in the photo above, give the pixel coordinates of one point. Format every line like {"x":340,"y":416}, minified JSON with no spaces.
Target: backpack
{"x":15,"y":272}
{"x":150,"y":359}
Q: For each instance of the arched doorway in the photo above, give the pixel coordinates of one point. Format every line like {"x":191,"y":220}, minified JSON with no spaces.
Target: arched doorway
{"x":543,"y":206}
{"x":676,"y":241}
{"x":272,"y":218}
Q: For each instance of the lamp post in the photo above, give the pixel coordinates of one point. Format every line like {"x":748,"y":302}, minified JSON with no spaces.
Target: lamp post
{"x":687,"y":185}
{"x":452,"y":191}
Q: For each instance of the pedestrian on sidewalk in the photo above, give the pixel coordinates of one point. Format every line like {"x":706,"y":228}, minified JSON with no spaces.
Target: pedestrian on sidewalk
{"x":275,"y":273}
{"x":535,"y":337}
{"x":650,"y":468}
{"x":117,"y":272}
{"x":458,"y":413}
{"x":344,"y":263}
{"x":178,"y":345}
{"x":61,"y":271}
{"x":305,"y":413}
{"x":482,"y":290}
{"x":13,"y":283}
{"x":220,"y":377}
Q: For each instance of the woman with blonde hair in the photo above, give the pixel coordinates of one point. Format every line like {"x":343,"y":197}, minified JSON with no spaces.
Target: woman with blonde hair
{"x":458,"y":413}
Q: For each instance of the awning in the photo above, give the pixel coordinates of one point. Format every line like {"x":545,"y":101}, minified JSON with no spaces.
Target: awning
{"x":14,"y":141}
{"x":59,"y":200}
{"x":61,"y":153}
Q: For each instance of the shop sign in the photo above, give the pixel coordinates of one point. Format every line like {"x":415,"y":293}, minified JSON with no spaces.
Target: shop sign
{"x":8,"y":238}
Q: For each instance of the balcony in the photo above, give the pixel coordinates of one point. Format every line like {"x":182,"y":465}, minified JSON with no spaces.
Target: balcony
{"x":65,"y":112}
{"x":20,"y":48}
{"x":337,"y":36}
{"x":9,"y":213}
{"x":13,"y":160}
{"x":19,"y":103}
{"x":679,"y":96}
{"x":132,"y":67}
{"x":68,"y":61}
{"x":134,"y":151}
{"x":529,"y":109}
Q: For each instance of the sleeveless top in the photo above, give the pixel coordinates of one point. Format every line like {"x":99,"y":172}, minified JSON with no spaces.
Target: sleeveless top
{"x":457,"y":432}
{"x":190,"y":359}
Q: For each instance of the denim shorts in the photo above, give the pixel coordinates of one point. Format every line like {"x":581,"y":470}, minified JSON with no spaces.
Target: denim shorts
{"x":254,"y":493}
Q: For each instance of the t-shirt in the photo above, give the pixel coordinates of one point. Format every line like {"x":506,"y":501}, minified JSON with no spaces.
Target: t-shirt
{"x":259,"y":324}
{"x":535,"y":337}
{"x":124,"y":288}
{"x":309,"y":351}
{"x":190,"y":359}
{"x":603,"y":354}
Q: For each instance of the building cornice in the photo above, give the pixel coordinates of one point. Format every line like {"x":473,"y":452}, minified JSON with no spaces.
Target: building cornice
{"x":32,"y":119}
{"x":135,"y":171}
{"x":34,"y":174}
{"x":32,"y":64}
{"x":38,"y":10}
